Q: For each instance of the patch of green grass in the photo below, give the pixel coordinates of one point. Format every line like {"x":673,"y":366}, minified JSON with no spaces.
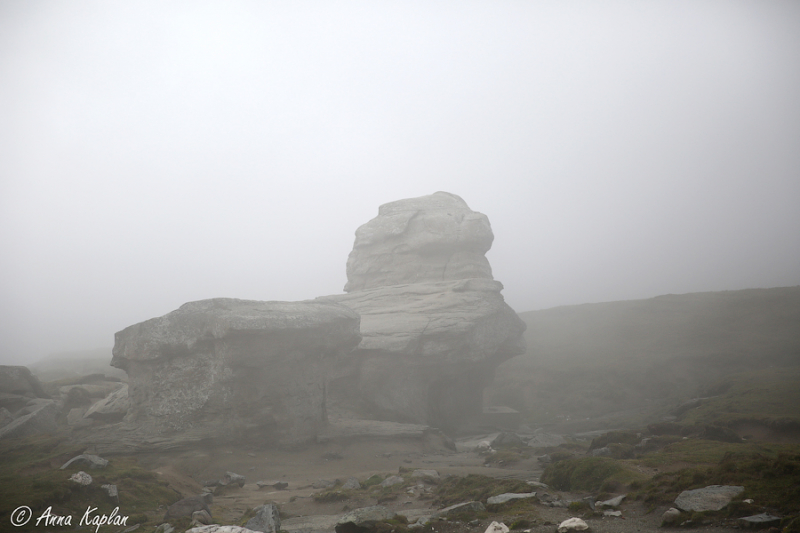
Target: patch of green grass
{"x":770,"y":478}
{"x":762,"y":396}
{"x":522,"y":523}
{"x":590,"y":474}
{"x":30,"y":474}
{"x":475,"y":487}
{"x":579,"y":507}
{"x":615,"y":437}
{"x":701,"y":451}
{"x":373,"y":480}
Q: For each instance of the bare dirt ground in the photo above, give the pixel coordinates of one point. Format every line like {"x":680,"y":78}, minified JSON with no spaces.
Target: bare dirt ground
{"x":300,"y":468}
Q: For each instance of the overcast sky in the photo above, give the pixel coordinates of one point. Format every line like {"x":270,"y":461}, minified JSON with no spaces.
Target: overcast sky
{"x":154,"y":153}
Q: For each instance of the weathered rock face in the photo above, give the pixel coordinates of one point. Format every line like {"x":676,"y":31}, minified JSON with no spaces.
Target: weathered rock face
{"x":18,"y":386}
{"x":433,"y":321}
{"x":229,"y":368}
{"x":431,"y":238}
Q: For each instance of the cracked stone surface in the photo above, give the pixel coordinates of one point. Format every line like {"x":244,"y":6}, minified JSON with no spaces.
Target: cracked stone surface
{"x":434,"y":323}
{"x":229,"y":369}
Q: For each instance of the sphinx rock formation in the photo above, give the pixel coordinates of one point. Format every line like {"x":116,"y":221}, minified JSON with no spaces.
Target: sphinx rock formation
{"x":416,"y":339}
{"x":433,"y":321}
{"x":227,"y":368}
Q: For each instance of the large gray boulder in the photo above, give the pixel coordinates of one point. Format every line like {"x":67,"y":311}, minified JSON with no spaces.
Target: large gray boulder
{"x":17,"y":386}
{"x":266,"y":520}
{"x":228,"y":368}
{"x":711,"y":498}
{"x":434,"y":323}
{"x":430,"y":238}
{"x":20,"y":380}
{"x":186,"y":507}
{"x":112,"y":408}
{"x":41,"y":419}
{"x":362,"y":520}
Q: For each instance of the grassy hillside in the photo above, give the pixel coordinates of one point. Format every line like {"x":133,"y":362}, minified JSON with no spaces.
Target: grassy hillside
{"x":640,"y":358}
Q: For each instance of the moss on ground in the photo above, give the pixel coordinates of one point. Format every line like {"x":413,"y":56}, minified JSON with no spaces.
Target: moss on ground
{"x":475,"y":487}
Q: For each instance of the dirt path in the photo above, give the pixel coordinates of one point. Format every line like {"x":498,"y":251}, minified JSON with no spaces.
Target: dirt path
{"x":300,"y":468}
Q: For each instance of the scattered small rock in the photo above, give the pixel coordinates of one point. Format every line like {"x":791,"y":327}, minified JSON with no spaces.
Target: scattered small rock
{"x":572,"y":524}
{"x":391,"y":481}
{"x":466,"y":507}
{"x":711,"y":498}
{"x":323,"y":484}
{"x":186,"y":507}
{"x":351,"y":484}
{"x":497,"y":527}
{"x":267,"y":519}
{"x":671,"y":517}
{"x":357,"y":519}
{"x":164,"y":528}
{"x":201,"y":518}
{"x":81,"y":478}
{"x":111,"y":490}
{"x":762,"y":520}
{"x":507,"y":440}
{"x":508,"y":496}
{"x":92,"y":461}
{"x":429,"y":474}
{"x":537,"y":484}
{"x":605,"y":451}
{"x":231,"y":478}
{"x":613,"y":502}
{"x":277,"y":485}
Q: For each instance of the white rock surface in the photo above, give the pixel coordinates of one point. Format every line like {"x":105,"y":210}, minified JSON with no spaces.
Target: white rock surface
{"x":572,"y":524}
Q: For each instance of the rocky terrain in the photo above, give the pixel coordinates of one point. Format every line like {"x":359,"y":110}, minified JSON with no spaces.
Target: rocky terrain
{"x":378,"y":409}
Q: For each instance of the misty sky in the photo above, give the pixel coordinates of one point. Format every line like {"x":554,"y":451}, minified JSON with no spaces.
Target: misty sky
{"x":156,"y":152}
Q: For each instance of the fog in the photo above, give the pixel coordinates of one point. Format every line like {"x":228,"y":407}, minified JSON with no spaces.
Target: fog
{"x":154,"y":153}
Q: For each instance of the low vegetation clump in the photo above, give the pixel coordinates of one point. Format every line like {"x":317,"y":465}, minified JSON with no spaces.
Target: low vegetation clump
{"x":475,"y":487}
{"x":373,"y":480}
{"x":590,"y":474}
{"x":616,"y":437}
{"x":332,"y":496}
